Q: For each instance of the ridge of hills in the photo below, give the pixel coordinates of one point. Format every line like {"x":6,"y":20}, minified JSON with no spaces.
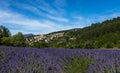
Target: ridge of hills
{"x":99,"y":35}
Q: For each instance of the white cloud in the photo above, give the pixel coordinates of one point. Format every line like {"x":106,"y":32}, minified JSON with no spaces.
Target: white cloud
{"x":78,"y":17}
{"x":37,"y":10}
{"x":57,"y":18}
{"x":53,"y":17}
{"x":81,"y":21}
{"x":35,"y":26}
{"x":44,"y":6}
{"x":109,"y":16}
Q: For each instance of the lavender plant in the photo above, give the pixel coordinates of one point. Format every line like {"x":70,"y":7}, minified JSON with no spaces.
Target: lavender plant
{"x":76,"y":65}
{"x":33,"y":60}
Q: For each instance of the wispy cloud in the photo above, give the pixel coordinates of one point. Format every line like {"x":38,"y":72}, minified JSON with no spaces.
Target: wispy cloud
{"x":50,"y":8}
{"x":49,"y":16}
{"x":50,"y":13}
{"x":28,"y":24}
{"x":45,"y":26}
{"x":78,"y":17}
{"x":82,"y":21}
{"x":58,"y":18}
{"x":51,"y":21}
{"x":109,"y":16}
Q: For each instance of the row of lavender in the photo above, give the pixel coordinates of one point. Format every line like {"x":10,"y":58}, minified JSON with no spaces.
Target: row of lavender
{"x":32,"y":60}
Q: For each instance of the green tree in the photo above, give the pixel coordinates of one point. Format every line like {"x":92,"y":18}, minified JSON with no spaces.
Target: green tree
{"x":6,"y":41}
{"x":18,"y":40}
{"x":4,"y":32}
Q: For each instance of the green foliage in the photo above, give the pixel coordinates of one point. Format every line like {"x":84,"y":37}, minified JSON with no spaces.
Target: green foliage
{"x":18,"y":40}
{"x":76,"y":65}
{"x":4,"y":32}
{"x":6,"y":41}
{"x":40,"y":44}
{"x":100,"y":35}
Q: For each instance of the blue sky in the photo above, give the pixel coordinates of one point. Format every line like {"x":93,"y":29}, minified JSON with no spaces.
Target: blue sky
{"x":45,"y":16}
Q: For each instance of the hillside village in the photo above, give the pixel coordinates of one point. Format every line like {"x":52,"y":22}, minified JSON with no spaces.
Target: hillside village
{"x":44,"y":37}
{"x":97,"y":35}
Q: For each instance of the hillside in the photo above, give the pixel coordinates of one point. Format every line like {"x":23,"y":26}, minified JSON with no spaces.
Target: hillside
{"x":99,"y":35}
{"x":28,"y":35}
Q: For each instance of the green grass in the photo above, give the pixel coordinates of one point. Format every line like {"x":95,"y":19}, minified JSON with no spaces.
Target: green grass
{"x":76,"y":65}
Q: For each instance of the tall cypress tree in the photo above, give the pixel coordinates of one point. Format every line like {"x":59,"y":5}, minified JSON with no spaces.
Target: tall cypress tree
{"x":4,"y":32}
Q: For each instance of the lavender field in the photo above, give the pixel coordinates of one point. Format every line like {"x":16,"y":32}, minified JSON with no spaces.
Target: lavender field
{"x":33,"y":60}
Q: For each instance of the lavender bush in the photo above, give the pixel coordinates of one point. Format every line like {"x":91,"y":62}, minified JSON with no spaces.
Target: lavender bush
{"x":33,"y":60}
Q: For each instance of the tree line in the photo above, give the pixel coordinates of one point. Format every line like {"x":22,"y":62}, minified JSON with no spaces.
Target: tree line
{"x":99,"y":35}
{"x":8,"y":40}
